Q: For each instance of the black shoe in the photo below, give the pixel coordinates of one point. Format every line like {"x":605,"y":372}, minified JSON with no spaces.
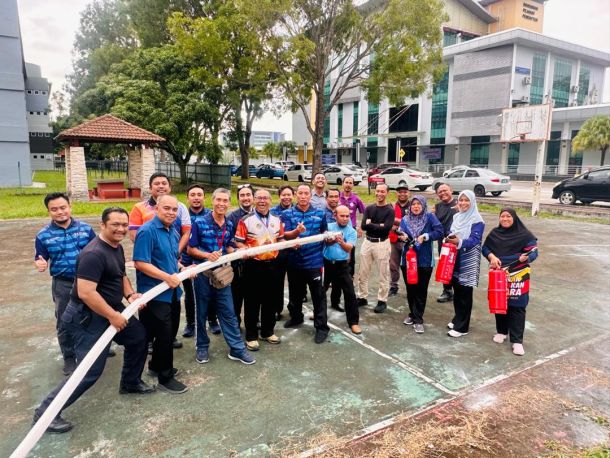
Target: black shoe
{"x":293,"y":323}
{"x":393,"y":291}
{"x":361,"y":302}
{"x":320,"y":336}
{"x":447,"y":296}
{"x":150,"y":348}
{"x":57,"y":426}
{"x":214,"y":327}
{"x":177,"y":344}
{"x":69,"y":366}
{"x":173,"y":386}
{"x":337,"y":308}
{"x":111,"y":352}
{"x":380,"y":307}
{"x":155,"y":374}
{"x":140,"y":388}
{"x":189,"y":331}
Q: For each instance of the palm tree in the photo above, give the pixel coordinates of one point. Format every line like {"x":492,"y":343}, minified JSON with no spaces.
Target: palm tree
{"x":594,"y":134}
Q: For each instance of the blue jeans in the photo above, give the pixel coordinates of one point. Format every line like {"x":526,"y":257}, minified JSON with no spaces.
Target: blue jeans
{"x":222,"y":298}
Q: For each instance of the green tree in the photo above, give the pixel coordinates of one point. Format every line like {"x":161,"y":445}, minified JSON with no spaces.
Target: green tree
{"x":272,"y":150}
{"x":226,"y":48}
{"x":289,"y":146}
{"x":594,"y":135}
{"x":391,"y":49}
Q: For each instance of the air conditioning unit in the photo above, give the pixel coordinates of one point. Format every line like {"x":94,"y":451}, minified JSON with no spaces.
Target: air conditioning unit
{"x":574,"y":89}
{"x":525,"y":99}
{"x":527,"y":80}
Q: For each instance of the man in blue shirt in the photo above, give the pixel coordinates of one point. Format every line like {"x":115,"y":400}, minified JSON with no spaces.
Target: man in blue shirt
{"x":59,"y":243}
{"x":286,"y":194}
{"x":212,"y":237}
{"x":336,"y":264}
{"x":155,"y":255}
{"x":306,"y":263}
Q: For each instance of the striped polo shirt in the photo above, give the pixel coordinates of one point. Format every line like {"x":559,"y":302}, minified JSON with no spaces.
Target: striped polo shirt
{"x":208,"y":236}
{"x":62,"y":246}
{"x":255,"y":230}
{"x":307,"y":256}
{"x":185,"y":259}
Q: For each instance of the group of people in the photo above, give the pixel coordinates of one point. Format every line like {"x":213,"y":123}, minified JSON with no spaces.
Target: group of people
{"x":90,"y":282}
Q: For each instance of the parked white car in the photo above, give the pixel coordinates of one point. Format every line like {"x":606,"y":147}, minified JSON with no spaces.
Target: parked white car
{"x":400,"y":176}
{"x":298,"y":172}
{"x":479,"y":181}
{"x":337,"y":173}
{"x":284,"y":164}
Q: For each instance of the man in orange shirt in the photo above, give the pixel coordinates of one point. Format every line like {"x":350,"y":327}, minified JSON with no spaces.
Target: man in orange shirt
{"x":255,"y":229}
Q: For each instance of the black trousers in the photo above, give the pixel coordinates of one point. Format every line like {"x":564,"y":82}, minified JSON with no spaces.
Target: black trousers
{"x":84,"y":336}
{"x":157,"y":318}
{"x":238,"y":287}
{"x":337,"y":274}
{"x":513,"y":323}
{"x":60,"y":291}
{"x":189,"y":304}
{"x":352,"y":261}
{"x":335,"y":292}
{"x":298,"y":279}
{"x":462,"y":305}
{"x":262,"y":279}
{"x":417,"y":294}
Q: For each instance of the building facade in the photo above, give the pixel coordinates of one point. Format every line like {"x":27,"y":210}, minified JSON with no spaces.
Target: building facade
{"x":260,"y":138}
{"x":37,"y":91}
{"x":488,"y":69}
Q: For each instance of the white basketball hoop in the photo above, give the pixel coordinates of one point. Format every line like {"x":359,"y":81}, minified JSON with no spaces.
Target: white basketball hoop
{"x":530,"y":123}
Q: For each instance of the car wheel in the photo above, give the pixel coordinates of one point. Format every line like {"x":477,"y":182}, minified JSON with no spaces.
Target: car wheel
{"x":402,"y":183}
{"x":567,"y":198}
{"x":422,"y":188}
{"x":259,"y":176}
{"x":338,"y":180}
{"x":285,"y":177}
{"x":300,"y":178}
{"x":479,"y":191}
{"x":496,"y":193}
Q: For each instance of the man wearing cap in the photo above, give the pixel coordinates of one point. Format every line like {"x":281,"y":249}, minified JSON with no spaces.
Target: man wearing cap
{"x":400,"y":208}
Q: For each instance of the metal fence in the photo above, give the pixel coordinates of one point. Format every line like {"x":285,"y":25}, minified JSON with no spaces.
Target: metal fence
{"x":215,"y":175}
{"x":98,"y":169}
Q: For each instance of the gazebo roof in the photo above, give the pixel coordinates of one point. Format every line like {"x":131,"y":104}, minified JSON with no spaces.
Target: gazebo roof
{"x":108,"y":129}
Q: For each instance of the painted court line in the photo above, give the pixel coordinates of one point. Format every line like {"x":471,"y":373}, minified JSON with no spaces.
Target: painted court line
{"x":374,"y":428}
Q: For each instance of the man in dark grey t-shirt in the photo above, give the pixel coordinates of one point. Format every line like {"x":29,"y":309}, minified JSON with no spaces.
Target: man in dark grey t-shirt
{"x":444,"y":211}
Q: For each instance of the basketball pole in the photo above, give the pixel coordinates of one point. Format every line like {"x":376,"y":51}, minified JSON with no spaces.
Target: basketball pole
{"x":538,"y":178}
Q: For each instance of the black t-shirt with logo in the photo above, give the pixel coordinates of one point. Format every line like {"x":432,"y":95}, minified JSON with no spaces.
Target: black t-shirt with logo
{"x":103,"y":264}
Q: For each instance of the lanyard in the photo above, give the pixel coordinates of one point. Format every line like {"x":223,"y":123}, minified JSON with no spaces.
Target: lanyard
{"x":220,"y":240}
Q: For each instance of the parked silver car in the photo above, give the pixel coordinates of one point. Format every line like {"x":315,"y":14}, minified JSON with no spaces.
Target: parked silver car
{"x":479,"y":181}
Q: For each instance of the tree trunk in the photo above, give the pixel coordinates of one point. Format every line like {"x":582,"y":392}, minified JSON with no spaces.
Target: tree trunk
{"x":318,"y":138}
{"x":603,"y":159}
{"x":183,"y":173}
{"x":243,"y":143}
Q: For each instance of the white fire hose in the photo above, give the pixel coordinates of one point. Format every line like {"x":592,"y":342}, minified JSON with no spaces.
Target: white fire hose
{"x":34,"y":435}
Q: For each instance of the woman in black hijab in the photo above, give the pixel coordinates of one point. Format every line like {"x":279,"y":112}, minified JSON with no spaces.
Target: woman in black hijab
{"x":512,"y":247}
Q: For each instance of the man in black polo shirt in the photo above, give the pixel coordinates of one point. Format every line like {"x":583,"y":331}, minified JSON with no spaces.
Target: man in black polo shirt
{"x":444,"y":211}
{"x":96,"y":302}
{"x":377,"y":221}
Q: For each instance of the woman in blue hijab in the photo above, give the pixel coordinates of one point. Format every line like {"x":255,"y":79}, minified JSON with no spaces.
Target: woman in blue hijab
{"x":466,"y":234}
{"x":420,"y":227}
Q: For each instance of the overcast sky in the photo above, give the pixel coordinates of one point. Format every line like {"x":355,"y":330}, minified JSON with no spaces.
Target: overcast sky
{"x":48,"y":28}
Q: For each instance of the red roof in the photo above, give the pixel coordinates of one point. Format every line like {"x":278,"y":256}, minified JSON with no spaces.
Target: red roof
{"x":108,"y":129}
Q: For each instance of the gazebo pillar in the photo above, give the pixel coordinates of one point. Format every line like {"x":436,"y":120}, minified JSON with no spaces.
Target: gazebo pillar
{"x":76,"y":174}
{"x":141,"y":167}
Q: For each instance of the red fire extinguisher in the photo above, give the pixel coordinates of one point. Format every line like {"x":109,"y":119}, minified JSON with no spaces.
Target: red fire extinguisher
{"x":411,"y":258}
{"x":497,"y":291}
{"x":446,"y":263}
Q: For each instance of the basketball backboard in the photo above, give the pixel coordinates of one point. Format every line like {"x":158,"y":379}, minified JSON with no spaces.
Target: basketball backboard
{"x":529,"y":123}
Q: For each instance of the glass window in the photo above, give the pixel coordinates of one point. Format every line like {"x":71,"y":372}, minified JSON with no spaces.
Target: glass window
{"x":513,"y":157}
{"x":479,"y":150}
{"x":562,"y":77}
{"x":450,"y":37}
{"x":355,"y":121}
{"x":553,"y":148}
{"x":456,"y":174}
{"x":538,"y":71}
{"x":583,"y":83}
{"x":575,"y":158}
{"x":373,"y":124}
{"x":472,"y":174}
{"x":339,"y":122}
{"x":327,"y":118}
{"x":439,"y":107}
{"x":598,"y":175}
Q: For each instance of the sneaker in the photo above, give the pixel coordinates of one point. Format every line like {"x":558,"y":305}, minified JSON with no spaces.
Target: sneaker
{"x":499,"y":338}
{"x":454,"y":333}
{"x":57,"y":426}
{"x":393,"y":290}
{"x":380,"y":307}
{"x":202,"y":356}
{"x":320,"y":336}
{"x":173,"y":386}
{"x":518,"y":349}
{"x":273,"y":339}
{"x":446,"y":296}
{"x":293,"y":323}
{"x":69,"y":366}
{"x":189,"y":331}
{"x":243,"y":357}
{"x":155,"y":374}
{"x":140,"y":388}
{"x":361,"y":302}
{"x":176,"y":343}
{"x":419,"y":328}
{"x":214,"y":327}
{"x":408,"y":321}
{"x":450,"y":325}
{"x":252,"y":345}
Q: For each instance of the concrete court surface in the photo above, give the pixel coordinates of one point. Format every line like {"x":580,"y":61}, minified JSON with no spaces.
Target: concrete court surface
{"x":298,"y":389}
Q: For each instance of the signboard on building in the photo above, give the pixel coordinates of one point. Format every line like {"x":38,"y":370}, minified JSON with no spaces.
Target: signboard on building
{"x":522,"y":70}
{"x":431,"y":153}
{"x":329,"y":159}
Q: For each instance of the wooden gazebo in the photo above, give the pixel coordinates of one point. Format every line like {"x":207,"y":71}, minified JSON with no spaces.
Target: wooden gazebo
{"x":108,"y":129}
